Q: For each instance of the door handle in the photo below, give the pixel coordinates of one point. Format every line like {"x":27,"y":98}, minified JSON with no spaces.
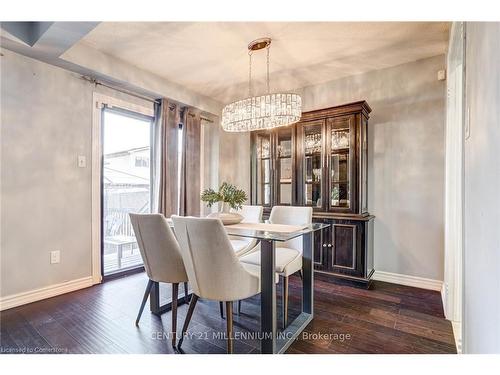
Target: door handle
{"x":324,"y":245}
{"x":329,"y":245}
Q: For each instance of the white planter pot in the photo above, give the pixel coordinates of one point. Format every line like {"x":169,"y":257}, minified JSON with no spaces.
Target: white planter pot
{"x":225,"y":215}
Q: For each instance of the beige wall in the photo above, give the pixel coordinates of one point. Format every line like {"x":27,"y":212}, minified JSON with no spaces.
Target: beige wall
{"x":234,"y":159}
{"x":481,"y":319}
{"x":45,"y":124}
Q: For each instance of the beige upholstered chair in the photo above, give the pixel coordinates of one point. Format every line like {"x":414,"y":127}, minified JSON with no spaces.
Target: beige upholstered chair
{"x":162,"y":258}
{"x":289,"y":253}
{"x":214,"y":271}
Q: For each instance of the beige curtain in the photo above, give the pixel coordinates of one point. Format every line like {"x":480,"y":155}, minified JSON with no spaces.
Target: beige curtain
{"x":168,"y":168}
{"x":191,"y":161}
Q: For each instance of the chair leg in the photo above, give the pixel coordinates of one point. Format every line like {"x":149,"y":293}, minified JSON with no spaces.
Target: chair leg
{"x":221,"y":309}
{"x":144,"y":299}
{"x":175,"y":296}
{"x":186,"y":298}
{"x":229,"y":325}
{"x":285,"y":301}
{"x":239,"y":307}
{"x":300,"y":274}
{"x":192,"y":304}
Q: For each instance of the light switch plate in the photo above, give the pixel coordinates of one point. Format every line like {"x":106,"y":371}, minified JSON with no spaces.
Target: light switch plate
{"x":82,"y":161}
{"x":55,"y":257}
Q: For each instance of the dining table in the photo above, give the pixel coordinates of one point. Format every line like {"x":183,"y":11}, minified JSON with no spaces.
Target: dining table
{"x":269,"y":235}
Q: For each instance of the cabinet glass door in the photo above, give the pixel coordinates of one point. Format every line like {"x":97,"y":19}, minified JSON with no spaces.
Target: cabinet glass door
{"x":339,"y":149}
{"x":284,"y":166}
{"x":263,"y":176}
{"x":312,"y":146}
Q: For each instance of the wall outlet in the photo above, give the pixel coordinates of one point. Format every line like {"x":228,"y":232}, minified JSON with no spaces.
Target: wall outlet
{"x":82,"y":161}
{"x":441,"y":75}
{"x":55,"y":257}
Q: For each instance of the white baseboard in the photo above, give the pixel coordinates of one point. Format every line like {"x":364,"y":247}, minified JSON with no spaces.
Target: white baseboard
{"x":457,"y":333}
{"x":417,"y":282}
{"x":23,"y":298}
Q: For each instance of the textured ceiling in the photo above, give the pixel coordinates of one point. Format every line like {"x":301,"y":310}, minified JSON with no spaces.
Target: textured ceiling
{"x":211,"y":58}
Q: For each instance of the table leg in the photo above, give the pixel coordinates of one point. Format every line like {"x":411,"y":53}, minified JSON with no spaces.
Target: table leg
{"x":268,"y":297}
{"x":308,"y":273}
{"x":154,"y":298}
{"x":120,"y":255}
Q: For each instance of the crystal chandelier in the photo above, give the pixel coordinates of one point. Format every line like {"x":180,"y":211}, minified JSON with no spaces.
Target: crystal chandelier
{"x":261,"y":112}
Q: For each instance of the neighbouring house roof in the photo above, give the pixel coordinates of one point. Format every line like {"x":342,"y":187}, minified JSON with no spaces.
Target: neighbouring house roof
{"x":126,"y":152}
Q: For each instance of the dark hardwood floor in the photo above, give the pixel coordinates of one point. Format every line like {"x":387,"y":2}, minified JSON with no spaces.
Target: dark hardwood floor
{"x":388,"y":318}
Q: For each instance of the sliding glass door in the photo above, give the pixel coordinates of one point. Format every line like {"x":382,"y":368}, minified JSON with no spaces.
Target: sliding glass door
{"x":126,"y":185}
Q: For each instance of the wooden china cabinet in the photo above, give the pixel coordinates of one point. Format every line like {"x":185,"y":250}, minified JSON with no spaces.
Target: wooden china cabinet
{"x":322,"y":162}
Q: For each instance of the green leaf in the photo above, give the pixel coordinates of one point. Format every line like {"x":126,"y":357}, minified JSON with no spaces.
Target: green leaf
{"x":227,"y":193}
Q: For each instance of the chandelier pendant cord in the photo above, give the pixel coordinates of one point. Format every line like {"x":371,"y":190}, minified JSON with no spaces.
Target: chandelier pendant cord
{"x":249,"y":73}
{"x":268,"y":48}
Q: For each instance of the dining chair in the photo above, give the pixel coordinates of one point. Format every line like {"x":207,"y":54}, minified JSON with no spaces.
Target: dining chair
{"x":214,"y":271}
{"x":288,"y":253}
{"x":162,"y":259}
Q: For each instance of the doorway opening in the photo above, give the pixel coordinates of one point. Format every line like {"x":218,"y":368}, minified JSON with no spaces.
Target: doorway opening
{"x":126,"y":185}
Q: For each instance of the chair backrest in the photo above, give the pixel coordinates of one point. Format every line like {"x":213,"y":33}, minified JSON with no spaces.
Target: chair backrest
{"x":159,"y":248}
{"x":291,"y":215}
{"x":251,"y":214}
{"x":213,"y":269}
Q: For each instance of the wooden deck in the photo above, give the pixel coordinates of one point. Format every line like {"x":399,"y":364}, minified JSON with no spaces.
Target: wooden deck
{"x":129,"y":260}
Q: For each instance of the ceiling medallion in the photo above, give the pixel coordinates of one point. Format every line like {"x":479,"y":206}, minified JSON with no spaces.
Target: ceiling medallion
{"x":261,"y":112}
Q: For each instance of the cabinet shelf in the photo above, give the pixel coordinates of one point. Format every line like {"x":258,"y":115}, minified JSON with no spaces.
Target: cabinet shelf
{"x":339,"y":150}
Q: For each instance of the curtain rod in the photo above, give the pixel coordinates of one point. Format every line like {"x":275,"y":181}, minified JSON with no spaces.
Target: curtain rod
{"x":202,"y":118}
{"x":119,"y":89}
{"x":96,"y":82}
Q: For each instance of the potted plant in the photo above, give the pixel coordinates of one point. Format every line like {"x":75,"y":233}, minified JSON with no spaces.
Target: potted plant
{"x":228,"y":196}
